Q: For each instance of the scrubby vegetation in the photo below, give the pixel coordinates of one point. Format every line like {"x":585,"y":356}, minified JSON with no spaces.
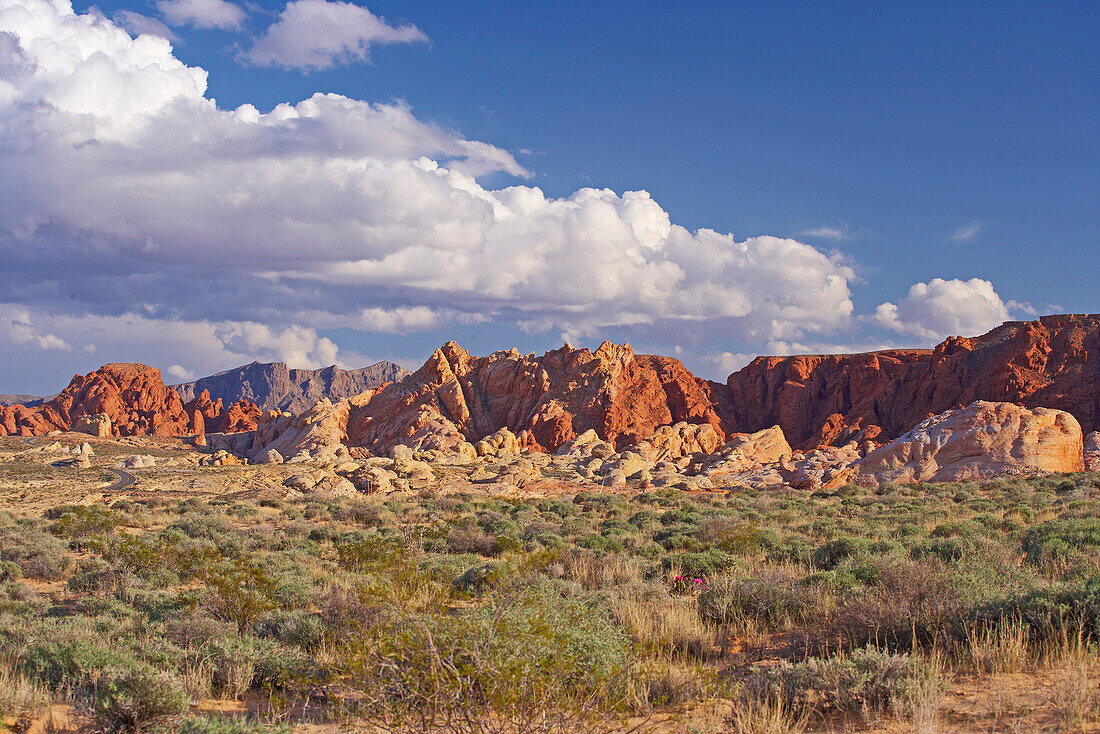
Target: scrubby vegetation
{"x":592,"y":612}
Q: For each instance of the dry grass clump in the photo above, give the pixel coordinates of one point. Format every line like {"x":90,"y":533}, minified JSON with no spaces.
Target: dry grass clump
{"x":999,"y":648}
{"x":767,"y":714}
{"x":664,"y":623}
{"x":21,"y":695}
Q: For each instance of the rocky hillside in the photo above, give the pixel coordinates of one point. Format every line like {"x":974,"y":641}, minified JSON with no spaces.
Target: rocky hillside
{"x":125,"y":399}
{"x":546,"y":401}
{"x":274,"y":385}
{"x":819,"y":400}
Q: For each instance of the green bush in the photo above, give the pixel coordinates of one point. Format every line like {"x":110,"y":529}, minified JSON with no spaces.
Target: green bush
{"x":223,"y":725}
{"x":37,"y":554}
{"x":772,"y":599}
{"x":1061,"y":539}
{"x":535,"y":658}
{"x":867,"y":681}
{"x":133,"y":699}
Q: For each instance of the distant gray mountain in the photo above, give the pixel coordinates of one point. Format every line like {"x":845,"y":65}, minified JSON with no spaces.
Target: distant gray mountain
{"x":274,"y":385}
{"x":6,"y":400}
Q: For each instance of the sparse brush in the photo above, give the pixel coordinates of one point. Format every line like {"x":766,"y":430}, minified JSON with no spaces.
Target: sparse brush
{"x":999,"y":648}
{"x":20,"y":694}
{"x":1064,"y":643}
{"x":665,"y":624}
{"x":925,"y":691}
{"x":198,"y":679}
{"x":767,"y":714}
{"x":664,"y":681}
{"x":1075,"y":692}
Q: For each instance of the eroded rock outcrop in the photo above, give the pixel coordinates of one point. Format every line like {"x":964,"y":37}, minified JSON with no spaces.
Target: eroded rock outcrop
{"x":316,"y":434}
{"x":982,"y":440}
{"x":1092,"y":451}
{"x":544,"y":401}
{"x":124,"y":399}
{"x":820,"y":400}
{"x":131,"y":397}
{"x":210,"y":415}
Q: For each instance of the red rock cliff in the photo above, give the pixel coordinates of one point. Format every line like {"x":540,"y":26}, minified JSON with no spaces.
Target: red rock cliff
{"x":826,"y":399}
{"x":545,"y":400}
{"x":135,"y":399}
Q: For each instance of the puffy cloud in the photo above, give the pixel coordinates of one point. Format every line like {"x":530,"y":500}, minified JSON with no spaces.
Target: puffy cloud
{"x":318,"y":34}
{"x":203,"y":13}
{"x":1022,"y":307}
{"x":941,"y":308}
{"x":138,"y":24}
{"x":17,"y":328}
{"x":179,"y":373}
{"x":187,"y":347}
{"x":124,"y":184}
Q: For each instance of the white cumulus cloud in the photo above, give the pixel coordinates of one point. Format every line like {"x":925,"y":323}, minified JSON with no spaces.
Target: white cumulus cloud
{"x":179,"y":373}
{"x":17,"y":328}
{"x":942,"y":308}
{"x":124,"y":184}
{"x":318,"y":34}
{"x":138,"y":24}
{"x":203,"y":13}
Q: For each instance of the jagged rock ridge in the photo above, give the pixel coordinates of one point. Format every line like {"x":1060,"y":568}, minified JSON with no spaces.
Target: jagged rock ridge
{"x":274,"y":385}
{"x":817,"y":400}
{"x":821,"y":400}
{"x":125,"y":399}
{"x":547,"y":401}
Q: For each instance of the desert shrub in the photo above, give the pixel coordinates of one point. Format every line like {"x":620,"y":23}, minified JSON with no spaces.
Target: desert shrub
{"x":242,"y":592}
{"x":733,"y":535}
{"x":702,"y":564}
{"x":470,"y":540}
{"x":678,"y":537}
{"x":222,"y":725}
{"x":866,"y":681}
{"x":538,"y":661}
{"x":942,"y":548}
{"x":93,"y":575}
{"x":79,"y":523}
{"x":133,"y":699}
{"x":478,"y":579}
{"x":244,"y":662}
{"x":906,"y":598}
{"x":358,"y":513}
{"x":832,"y":553}
{"x":1050,"y":610}
{"x":72,"y":654}
{"x":203,"y":525}
{"x":37,"y":554}
{"x":194,"y":630}
{"x":10,"y":571}
{"x":601,"y":543}
{"x":295,"y":628}
{"x":1059,"y":540}
{"x":773,"y":598}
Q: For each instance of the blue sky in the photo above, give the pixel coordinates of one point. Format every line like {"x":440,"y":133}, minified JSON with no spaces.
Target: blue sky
{"x":904,"y":142}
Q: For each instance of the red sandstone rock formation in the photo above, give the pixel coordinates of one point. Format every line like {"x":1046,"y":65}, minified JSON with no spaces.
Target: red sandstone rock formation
{"x":209,"y":416}
{"x":546,"y":401}
{"x":135,"y":399}
{"x":832,"y":399}
{"x":132,"y":395}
